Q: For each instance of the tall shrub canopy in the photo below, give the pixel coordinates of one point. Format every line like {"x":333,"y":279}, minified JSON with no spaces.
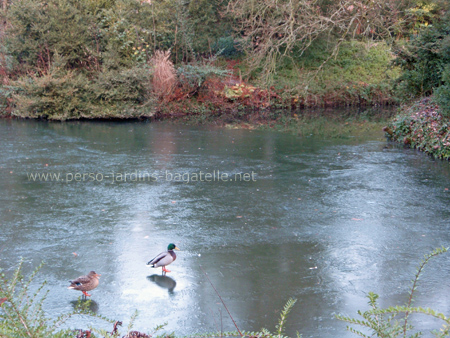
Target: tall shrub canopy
{"x":424,"y":60}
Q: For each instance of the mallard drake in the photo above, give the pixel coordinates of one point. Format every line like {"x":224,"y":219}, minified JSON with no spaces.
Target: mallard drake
{"x":164,"y":258}
{"x":85,"y":283}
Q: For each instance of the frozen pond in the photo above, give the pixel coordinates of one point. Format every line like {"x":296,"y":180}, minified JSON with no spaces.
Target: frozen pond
{"x":267,"y":215}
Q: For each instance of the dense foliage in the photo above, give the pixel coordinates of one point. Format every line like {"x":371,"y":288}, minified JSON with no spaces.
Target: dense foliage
{"x":68,"y":59}
{"x":425,"y":62}
{"x":443,"y":92}
{"x":421,"y":126}
{"x":72,"y":59}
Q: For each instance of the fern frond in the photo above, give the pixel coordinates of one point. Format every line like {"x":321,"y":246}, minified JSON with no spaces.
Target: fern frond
{"x":287,"y":308}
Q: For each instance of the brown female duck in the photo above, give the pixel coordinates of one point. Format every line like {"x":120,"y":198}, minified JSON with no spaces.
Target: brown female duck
{"x":85,"y":283}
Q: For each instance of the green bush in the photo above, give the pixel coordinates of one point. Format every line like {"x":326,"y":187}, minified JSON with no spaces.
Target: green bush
{"x":360,"y":75}
{"x":226,"y":46}
{"x":84,"y":32}
{"x":39,"y":30}
{"x":124,"y":28}
{"x":192,"y":77}
{"x":443,"y":93}
{"x":128,"y":85}
{"x":206,"y":19}
{"x":423,"y":60}
{"x":63,"y":94}
{"x":59,"y":94}
{"x":71,"y":59}
{"x":422,"y":127}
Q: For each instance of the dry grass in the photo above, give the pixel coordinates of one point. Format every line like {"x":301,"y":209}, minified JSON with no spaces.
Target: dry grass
{"x":164,"y":76}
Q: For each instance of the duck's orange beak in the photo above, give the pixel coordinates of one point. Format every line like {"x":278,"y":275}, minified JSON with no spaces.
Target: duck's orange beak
{"x":176,"y":248}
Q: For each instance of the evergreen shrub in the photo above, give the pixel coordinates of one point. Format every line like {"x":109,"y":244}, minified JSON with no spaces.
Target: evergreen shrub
{"x":443,"y":93}
{"x":424,"y":60}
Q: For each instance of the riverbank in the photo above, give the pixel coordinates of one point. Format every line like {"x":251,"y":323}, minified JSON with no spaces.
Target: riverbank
{"x":360,"y":76}
{"x":352,"y":96}
{"x":421,"y":126}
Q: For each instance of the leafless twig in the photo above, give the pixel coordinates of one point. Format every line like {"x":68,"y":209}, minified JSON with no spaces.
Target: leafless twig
{"x":222,"y":301}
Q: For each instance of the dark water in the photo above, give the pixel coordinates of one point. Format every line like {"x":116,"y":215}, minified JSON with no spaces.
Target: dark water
{"x":322,"y":221}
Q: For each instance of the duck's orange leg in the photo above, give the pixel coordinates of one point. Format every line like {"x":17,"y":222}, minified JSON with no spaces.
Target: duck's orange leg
{"x":164,"y":269}
{"x":86,"y":294}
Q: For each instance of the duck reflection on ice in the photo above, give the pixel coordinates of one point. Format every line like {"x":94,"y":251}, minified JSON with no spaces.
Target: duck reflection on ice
{"x":89,"y":304}
{"x":163,"y":281}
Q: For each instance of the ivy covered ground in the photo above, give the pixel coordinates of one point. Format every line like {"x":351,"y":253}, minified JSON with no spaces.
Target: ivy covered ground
{"x":422,"y":126}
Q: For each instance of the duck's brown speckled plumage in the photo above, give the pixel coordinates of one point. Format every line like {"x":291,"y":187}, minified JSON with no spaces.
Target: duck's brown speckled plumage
{"x":85,"y":283}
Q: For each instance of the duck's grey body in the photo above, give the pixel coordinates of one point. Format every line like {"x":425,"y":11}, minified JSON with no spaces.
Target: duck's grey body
{"x":163,"y":259}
